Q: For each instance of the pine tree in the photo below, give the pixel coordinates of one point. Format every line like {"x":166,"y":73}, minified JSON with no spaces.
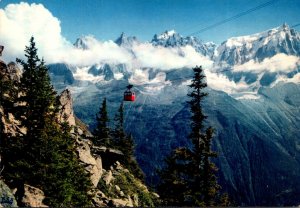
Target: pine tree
{"x":119,"y":132}
{"x":125,"y":143}
{"x":173,"y":188}
{"x":128,"y":147}
{"x":102,"y":131}
{"x":191,"y":169}
{"x":63,"y":179}
{"x":36,"y":90}
{"x":206,"y":191}
{"x":45,"y":156}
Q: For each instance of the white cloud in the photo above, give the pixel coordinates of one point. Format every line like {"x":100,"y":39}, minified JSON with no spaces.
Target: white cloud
{"x":21,"y":21}
{"x":141,"y":76}
{"x":278,"y":63}
{"x":282,"y":78}
{"x":222,"y":83}
{"x":169,"y":58}
{"x":99,"y":52}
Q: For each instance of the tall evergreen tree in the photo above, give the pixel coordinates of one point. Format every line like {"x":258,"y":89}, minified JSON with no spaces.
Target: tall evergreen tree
{"x":45,"y":156}
{"x":125,"y":143}
{"x":205,"y":192}
{"x":119,"y":132}
{"x":191,"y":170}
{"x":37,"y":93}
{"x":102,"y":132}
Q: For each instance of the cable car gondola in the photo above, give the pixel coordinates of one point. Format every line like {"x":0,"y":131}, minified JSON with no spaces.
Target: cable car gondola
{"x":128,"y":94}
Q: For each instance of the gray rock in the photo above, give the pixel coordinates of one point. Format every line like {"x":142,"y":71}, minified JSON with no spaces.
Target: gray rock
{"x":108,"y":177}
{"x":66,"y":113}
{"x":93,"y":165}
{"x":7,"y":199}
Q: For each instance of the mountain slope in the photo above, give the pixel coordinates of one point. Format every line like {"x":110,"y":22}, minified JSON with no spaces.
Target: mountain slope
{"x":257,"y":138}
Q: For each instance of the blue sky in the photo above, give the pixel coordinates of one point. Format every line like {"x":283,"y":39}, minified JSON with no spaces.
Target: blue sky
{"x":106,"y":19}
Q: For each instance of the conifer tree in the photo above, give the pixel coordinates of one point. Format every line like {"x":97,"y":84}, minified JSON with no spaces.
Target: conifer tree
{"x":63,"y":179}
{"x":128,"y":147}
{"x":37,"y":92}
{"x":118,"y":132}
{"x":45,"y":156}
{"x":102,"y":132}
{"x":191,"y":170}
{"x":125,"y":143}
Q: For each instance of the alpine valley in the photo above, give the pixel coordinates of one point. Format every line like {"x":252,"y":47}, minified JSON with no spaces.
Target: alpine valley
{"x":253,"y":104}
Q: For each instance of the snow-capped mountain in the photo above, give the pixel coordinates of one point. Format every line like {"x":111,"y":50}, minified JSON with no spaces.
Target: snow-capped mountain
{"x":125,"y":41}
{"x":81,"y":44}
{"x":85,"y":42}
{"x":253,"y":61}
{"x":109,"y":71}
{"x":239,"y":50}
{"x":257,"y":139}
{"x":173,"y":39}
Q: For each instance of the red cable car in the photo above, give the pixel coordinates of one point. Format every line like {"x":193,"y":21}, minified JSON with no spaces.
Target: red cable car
{"x":128,"y":94}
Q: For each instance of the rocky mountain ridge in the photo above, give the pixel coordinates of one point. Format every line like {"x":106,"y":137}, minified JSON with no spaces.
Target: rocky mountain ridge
{"x":254,"y":60}
{"x":173,"y":39}
{"x":239,"y":50}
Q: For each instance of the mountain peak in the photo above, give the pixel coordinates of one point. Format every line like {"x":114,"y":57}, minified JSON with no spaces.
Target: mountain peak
{"x":285,"y":26}
{"x":123,"y":40}
{"x":170,"y":38}
{"x":238,"y":50}
{"x":167,"y":34}
{"x":85,"y":42}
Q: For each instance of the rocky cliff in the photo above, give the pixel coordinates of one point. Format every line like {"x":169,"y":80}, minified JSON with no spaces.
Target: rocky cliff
{"x":108,"y":181}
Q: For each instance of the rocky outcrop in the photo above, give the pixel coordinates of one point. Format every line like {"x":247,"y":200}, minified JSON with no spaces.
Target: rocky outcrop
{"x":7,"y":199}
{"x":9,"y":74}
{"x":13,"y":71}
{"x":66,"y":113}
{"x":111,"y":155}
{"x":114,"y":186}
{"x":33,"y":197}
{"x":11,"y":126}
{"x":92,"y":164}
{"x":108,"y":184}
{"x":119,"y":188}
{"x":10,"y":71}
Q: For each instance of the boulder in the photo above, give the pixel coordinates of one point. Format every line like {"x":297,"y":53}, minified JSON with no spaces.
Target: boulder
{"x":108,"y":177}
{"x":99,"y":199}
{"x":122,"y":202}
{"x":33,"y":197}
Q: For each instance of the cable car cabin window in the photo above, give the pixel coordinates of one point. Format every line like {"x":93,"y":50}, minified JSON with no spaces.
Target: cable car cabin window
{"x":129,"y":96}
